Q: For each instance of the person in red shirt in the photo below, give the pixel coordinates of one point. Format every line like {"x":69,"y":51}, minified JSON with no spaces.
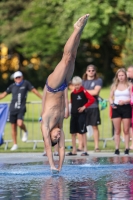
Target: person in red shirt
{"x":80,"y":100}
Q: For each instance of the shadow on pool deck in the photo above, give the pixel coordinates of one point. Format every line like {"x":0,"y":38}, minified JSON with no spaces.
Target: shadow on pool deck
{"x":12,"y":158}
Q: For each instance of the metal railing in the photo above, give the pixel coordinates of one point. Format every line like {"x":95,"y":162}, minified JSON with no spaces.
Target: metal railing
{"x":33,"y":126}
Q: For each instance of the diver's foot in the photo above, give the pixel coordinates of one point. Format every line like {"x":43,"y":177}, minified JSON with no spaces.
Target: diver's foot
{"x":80,"y":24}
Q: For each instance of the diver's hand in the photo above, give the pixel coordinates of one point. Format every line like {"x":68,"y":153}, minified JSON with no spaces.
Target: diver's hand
{"x":54,"y":170}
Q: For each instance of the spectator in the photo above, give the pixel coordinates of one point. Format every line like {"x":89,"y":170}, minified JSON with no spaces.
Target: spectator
{"x":130,"y":77}
{"x":79,"y":136}
{"x":70,"y":86}
{"x":80,"y":100}
{"x":130,"y":74}
{"x":121,"y":109}
{"x":17,"y":108}
{"x":93,"y":85}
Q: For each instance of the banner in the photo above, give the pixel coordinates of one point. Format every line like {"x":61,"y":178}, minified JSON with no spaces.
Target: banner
{"x":3,"y":119}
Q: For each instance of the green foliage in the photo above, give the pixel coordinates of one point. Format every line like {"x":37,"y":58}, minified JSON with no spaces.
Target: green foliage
{"x":128,"y":48}
{"x":40,"y":28}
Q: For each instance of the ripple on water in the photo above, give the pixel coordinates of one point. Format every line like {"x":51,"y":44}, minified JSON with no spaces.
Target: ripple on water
{"x":86,"y":179}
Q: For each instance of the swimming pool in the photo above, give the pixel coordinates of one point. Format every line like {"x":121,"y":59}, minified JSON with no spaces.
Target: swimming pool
{"x":87,"y":178}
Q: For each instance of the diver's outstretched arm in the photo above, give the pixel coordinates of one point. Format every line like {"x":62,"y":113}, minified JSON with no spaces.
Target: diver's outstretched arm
{"x":47,"y":141}
{"x":61,"y":150}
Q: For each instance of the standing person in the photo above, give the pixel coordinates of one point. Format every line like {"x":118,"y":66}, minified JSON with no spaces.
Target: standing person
{"x":120,"y":95}
{"x":93,"y":85}
{"x":17,"y":109}
{"x":80,"y":142}
{"x":130,"y":78}
{"x":80,"y":100}
{"x":53,"y":97}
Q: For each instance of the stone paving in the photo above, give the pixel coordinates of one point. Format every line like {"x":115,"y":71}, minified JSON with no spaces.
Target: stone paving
{"x":12,"y":158}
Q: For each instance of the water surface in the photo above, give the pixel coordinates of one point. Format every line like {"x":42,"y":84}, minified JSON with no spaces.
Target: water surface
{"x":91,"y":178}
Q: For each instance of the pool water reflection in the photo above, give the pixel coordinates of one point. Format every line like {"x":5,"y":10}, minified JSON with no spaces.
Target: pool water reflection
{"x":91,"y":178}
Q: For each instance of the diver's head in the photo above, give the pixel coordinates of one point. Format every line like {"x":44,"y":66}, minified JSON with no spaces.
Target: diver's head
{"x":55,"y":136}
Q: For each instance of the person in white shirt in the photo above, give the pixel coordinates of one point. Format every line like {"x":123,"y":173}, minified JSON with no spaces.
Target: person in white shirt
{"x":120,"y":96}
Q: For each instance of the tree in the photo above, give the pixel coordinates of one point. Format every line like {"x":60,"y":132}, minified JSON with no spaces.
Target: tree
{"x":39,"y":29}
{"x":127,"y":52}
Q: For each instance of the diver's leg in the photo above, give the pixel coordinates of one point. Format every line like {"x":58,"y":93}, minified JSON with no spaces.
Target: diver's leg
{"x":65,"y":68}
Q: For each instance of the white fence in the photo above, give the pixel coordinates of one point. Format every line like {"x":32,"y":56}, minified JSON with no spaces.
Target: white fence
{"x":35,"y":135}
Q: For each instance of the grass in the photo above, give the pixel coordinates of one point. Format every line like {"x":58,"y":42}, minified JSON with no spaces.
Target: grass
{"x":33,"y":126}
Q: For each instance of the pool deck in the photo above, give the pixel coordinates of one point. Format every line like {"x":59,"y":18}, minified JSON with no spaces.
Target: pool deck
{"x":12,"y":158}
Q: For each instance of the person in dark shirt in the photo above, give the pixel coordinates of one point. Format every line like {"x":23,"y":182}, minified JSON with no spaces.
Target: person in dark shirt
{"x":93,"y":85}
{"x":17,"y":109}
{"x":80,"y":100}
